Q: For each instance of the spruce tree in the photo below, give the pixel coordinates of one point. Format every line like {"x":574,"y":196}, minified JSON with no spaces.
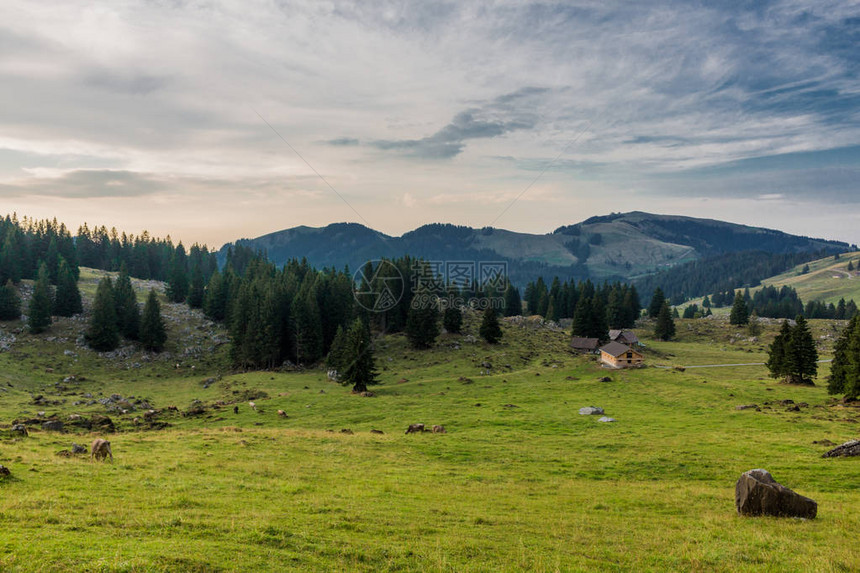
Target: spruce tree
{"x":582,"y":321}
{"x":513,"y":303}
{"x":850,"y":266}
{"x":452,"y":319}
{"x":664,"y":329}
{"x":39,"y":309}
{"x":706,"y":302}
{"x":67,"y":301}
{"x":657,"y":300}
{"x":10,"y":302}
{"x":422,"y":323}
{"x":103,"y":332}
{"x":358,"y":363}
{"x":776,"y":358}
{"x":197,"y":288}
{"x":739,"y":314}
{"x":177,"y":280}
{"x":845,"y":370}
{"x":490,"y":329}
{"x":801,"y":356}
{"x":125,"y":305}
{"x":153,"y":334}
{"x":337,"y":352}
{"x":215,"y":297}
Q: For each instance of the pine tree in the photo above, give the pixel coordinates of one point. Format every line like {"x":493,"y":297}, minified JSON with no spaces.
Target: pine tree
{"x":551,"y":310}
{"x":452,"y":319}
{"x":357,"y":362}
{"x":850,"y":266}
{"x":657,"y":300}
{"x":177,"y":281}
{"x":67,"y":301}
{"x":490,"y":329}
{"x":664,"y":329}
{"x":153,"y":334}
{"x":754,"y":327}
{"x":10,"y":302}
{"x":706,"y":302}
{"x":337,"y":352}
{"x":103,"y":332}
{"x":422,"y":323}
{"x":598,"y":328}
{"x":197,"y":288}
{"x":513,"y":303}
{"x":739,"y":314}
{"x":39,"y":309}
{"x":582,"y":318}
{"x":845,"y":370}
{"x":801,"y":357}
{"x":125,"y":305}
{"x":776,"y":358}
{"x":216,"y":297}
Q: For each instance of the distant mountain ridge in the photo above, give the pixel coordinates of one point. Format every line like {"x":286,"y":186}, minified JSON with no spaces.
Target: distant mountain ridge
{"x":619,"y":246}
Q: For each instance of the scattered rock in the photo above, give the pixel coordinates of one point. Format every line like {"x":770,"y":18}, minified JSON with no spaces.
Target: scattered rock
{"x":415,"y":428}
{"x":824,"y":443}
{"x":346,"y":431}
{"x":605,"y":379}
{"x":78,"y":449}
{"x":486,"y":365}
{"x":510,"y":406}
{"x":376,"y":432}
{"x":747,"y":407}
{"x":607,"y":419}
{"x":439,"y":430}
{"x":367,"y":394}
{"x":847,"y":449}
{"x":590,"y":411}
{"x":465,"y":380}
{"x":794,"y":408}
{"x":52,"y":426}
{"x":64,"y":454}
{"x":757,"y":493}
{"x":4,"y":472}
{"x":20,"y":429}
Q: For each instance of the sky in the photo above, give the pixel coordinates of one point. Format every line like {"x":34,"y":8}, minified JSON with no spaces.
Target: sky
{"x":212,"y":121}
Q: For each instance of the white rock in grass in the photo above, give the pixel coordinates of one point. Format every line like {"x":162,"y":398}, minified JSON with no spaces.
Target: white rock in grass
{"x":607,"y":419}
{"x":590,"y":410}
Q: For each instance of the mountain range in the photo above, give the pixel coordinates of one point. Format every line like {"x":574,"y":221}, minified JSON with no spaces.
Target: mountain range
{"x":623,"y":246}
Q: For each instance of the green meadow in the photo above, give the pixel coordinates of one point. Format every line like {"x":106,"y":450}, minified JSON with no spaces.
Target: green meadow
{"x":520,"y":481}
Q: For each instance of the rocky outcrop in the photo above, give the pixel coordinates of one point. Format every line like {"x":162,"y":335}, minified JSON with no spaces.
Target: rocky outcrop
{"x":757,"y":493}
{"x":847,"y":449}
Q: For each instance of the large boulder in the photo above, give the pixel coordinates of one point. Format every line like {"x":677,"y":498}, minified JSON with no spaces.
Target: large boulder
{"x":757,"y":493}
{"x":851,"y":448}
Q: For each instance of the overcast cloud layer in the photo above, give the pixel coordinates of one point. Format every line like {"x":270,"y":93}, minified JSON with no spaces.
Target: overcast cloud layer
{"x":148,"y":114}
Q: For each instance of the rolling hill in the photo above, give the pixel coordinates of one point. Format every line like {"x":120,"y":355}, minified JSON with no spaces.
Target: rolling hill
{"x":616,"y":246}
{"x":828,"y":280}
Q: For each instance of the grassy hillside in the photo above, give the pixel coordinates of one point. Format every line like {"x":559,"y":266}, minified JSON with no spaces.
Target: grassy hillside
{"x":827,"y":279}
{"x":520,"y":482}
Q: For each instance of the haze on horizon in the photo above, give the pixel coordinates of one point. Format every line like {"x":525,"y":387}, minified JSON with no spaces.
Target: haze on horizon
{"x":153,"y":115}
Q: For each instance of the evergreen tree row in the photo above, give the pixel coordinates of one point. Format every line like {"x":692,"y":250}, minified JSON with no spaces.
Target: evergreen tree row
{"x":594,"y":309}
{"x":26,"y":244}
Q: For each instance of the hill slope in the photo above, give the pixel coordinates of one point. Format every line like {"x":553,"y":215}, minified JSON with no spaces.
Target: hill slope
{"x":828,"y":280}
{"x":623,"y":245}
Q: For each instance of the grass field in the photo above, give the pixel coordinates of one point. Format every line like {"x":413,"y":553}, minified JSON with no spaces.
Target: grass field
{"x":520,"y":482}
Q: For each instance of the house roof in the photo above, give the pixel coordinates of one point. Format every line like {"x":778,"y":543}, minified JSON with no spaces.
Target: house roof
{"x":584,"y":343}
{"x":615,"y":349}
{"x":625,"y":334}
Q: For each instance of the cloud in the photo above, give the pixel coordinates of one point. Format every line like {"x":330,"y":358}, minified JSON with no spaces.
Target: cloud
{"x":343,"y":141}
{"x":503,"y":115}
{"x":82,"y":184}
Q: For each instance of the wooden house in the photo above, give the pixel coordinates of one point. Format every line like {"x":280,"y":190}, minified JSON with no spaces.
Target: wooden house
{"x":619,"y":355}
{"x":585,"y":345}
{"x":624,"y":337}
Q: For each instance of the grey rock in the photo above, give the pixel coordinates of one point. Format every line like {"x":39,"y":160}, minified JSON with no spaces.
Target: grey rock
{"x":590,"y":411}
{"x":746,"y":407}
{"x":53,"y":426}
{"x":78,"y":449}
{"x":607,"y":419}
{"x":847,"y":449}
{"x":757,"y":493}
